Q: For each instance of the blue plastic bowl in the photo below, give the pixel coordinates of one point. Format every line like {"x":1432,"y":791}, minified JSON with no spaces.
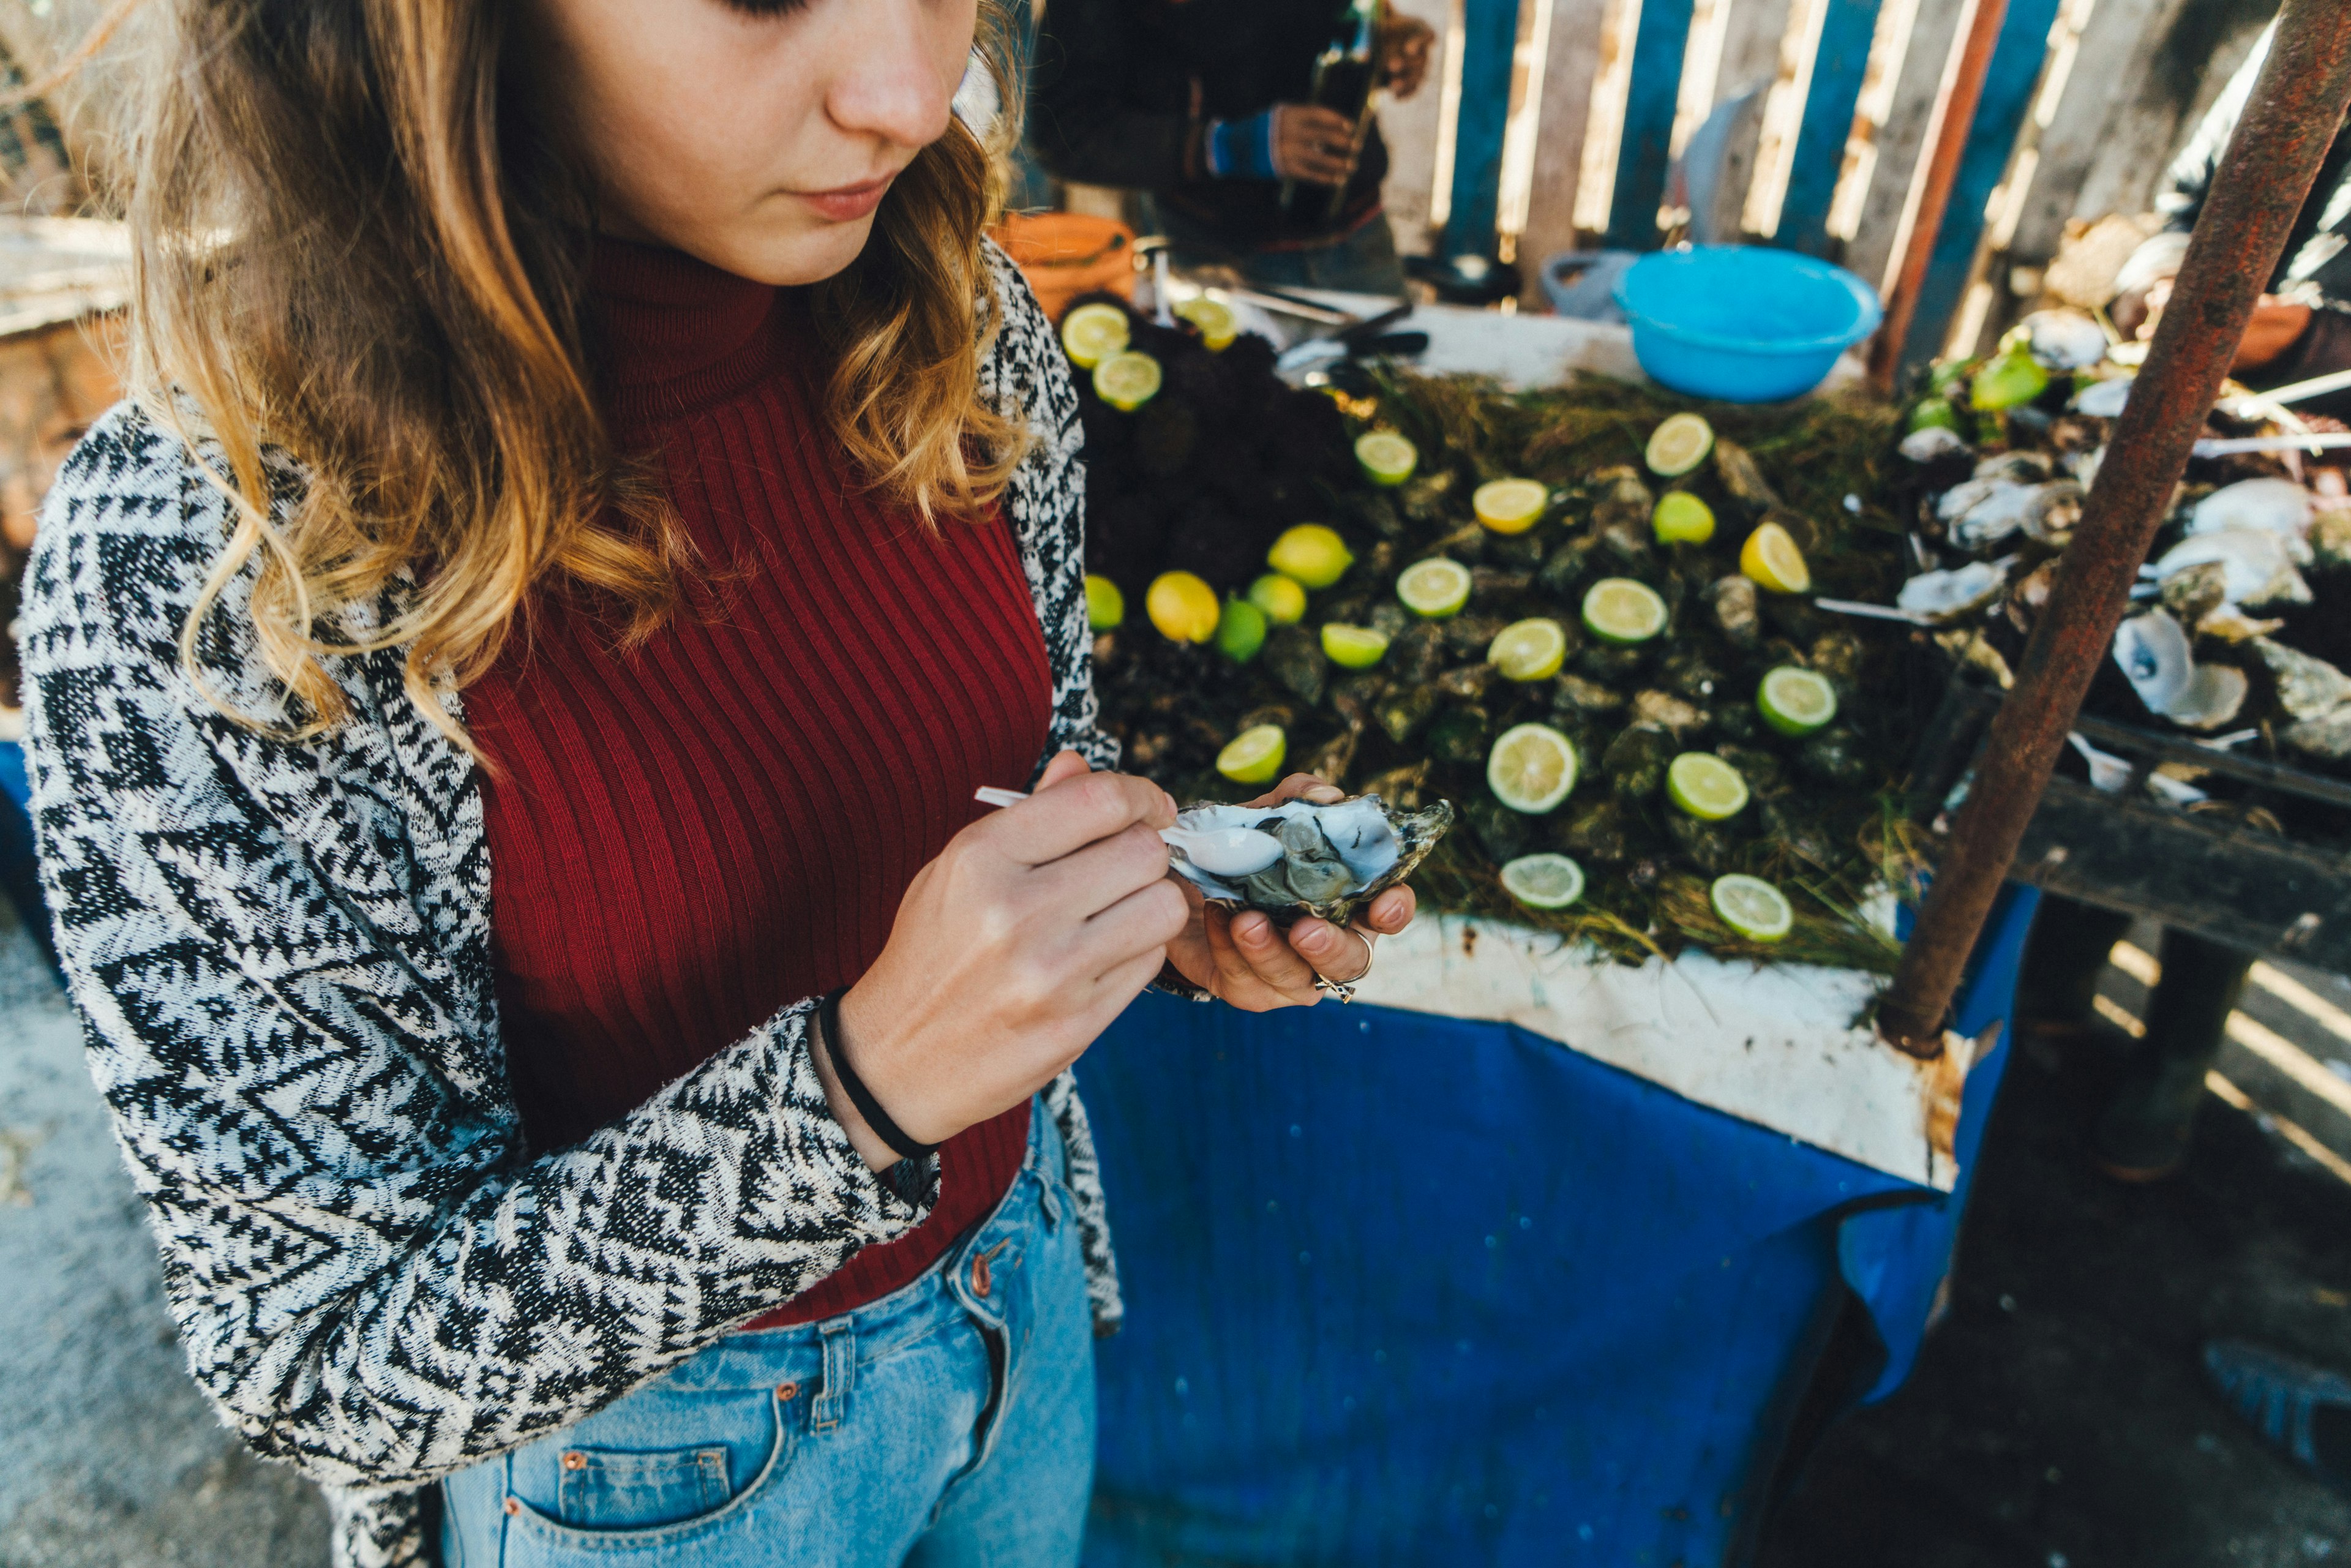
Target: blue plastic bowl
{"x":1743,"y":323}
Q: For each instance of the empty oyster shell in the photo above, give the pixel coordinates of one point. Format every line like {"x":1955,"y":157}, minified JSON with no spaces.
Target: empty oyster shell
{"x":2213,"y":695}
{"x":2259,"y":570}
{"x":2020,"y":467}
{"x":2106,"y":399}
{"x":1983,"y":512}
{"x":2272,"y":506}
{"x":1947,"y":595}
{"x":2328,"y":738}
{"x":1335,"y":859}
{"x":2307,"y":687}
{"x":2230,"y":625}
{"x":2152,"y":652}
{"x":1935,"y":440}
{"x":2066,"y":340}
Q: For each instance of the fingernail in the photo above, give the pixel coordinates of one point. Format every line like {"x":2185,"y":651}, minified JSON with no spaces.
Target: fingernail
{"x":1316,"y":941}
{"x":1323,"y":794}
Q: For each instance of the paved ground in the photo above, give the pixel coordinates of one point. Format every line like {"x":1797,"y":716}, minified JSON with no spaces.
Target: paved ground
{"x":2055,"y":1420}
{"x":107,"y":1457}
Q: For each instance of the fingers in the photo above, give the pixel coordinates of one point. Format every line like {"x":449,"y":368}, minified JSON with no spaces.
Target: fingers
{"x":1333,"y":952}
{"x":1075,"y":810}
{"x":1065,"y":765}
{"x":1298,"y":785}
{"x":1392,"y":911}
{"x":1093,"y":879}
{"x":1256,"y":967}
{"x":1318,"y":123}
{"x":1144,"y":921}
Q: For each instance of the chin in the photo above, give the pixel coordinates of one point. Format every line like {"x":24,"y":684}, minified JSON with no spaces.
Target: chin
{"x":798,"y":255}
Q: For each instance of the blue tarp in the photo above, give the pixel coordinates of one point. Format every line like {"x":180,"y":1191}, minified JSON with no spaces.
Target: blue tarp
{"x":1409,"y":1289}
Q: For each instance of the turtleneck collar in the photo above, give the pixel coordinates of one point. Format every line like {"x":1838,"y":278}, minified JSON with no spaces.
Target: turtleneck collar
{"x":679,"y":336}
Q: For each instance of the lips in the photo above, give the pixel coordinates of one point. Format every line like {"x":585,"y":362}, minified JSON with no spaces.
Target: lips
{"x":847,"y":203}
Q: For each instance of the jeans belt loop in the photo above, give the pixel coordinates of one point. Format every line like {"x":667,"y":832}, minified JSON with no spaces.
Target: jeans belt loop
{"x":840,"y":1372}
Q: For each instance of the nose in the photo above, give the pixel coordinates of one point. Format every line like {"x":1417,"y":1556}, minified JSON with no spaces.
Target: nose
{"x":890,"y":86}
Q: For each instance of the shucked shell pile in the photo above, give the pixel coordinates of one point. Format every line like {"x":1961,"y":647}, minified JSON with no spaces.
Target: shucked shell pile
{"x":1299,"y":859}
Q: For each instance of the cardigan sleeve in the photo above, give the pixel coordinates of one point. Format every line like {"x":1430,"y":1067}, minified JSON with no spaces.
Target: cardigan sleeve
{"x":373,"y":1278}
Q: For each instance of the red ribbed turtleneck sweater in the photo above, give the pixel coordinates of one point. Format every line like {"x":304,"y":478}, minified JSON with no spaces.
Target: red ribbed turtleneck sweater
{"x":684,"y":839}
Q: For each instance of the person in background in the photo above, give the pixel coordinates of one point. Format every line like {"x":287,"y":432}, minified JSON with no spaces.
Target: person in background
{"x":2301,"y":328}
{"x":1202,"y":104}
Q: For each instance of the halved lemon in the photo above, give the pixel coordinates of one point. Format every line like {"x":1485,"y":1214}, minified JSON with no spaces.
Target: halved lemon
{"x":1509,"y":505}
{"x":1354,"y":647}
{"x":1706,"y":786}
{"x":1770,"y":557}
{"x":1126,"y":381}
{"x":1681,"y":518}
{"x":1678,"y":446}
{"x":1092,"y":334}
{"x":1753,"y":907}
{"x":1531,"y":768}
{"x":1254,"y":756}
{"x":1621,"y":609}
{"x":1214,"y":318}
{"x":1795,"y":701}
{"x":1281,"y":598}
{"x":1543,"y":881}
{"x":1105,"y":605}
{"x":1183,"y":607}
{"x":1434,"y":587}
{"x":1312,"y":553}
{"x":1528,"y":650}
{"x":1386,"y":458}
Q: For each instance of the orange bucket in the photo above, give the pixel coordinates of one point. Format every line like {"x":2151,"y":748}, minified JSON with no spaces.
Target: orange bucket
{"x":1064,"y":255}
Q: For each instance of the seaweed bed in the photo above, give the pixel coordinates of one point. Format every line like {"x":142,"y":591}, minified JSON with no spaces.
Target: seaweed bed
{"x":1206,"y":476}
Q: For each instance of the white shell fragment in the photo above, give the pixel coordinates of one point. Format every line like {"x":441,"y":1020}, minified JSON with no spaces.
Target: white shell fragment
{"x":2106,"y":399}
{"x":2307,"y":687}
{"x":1950,"y":594}
{"x":1935,"y":440}
{"x":2066,"y":340}
{"x":2272,"y":506}
{"x":2259,"y":567}
{"x":1328,"y":859}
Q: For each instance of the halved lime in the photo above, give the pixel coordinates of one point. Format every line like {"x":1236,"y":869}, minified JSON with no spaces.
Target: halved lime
{"x":1254,"y":756}
{"x":1126,"y":381}
{"x":1509,"y":505}
{"x":1543,"y":881}
{"x":1706,"y":786}
{"x":1281,"y":598}
{"x":1386,"y":458}
{"x":1795,"y":701}
{"x":1770,"y":557}
{"x":1214,"y":318}
{"x":1681,"y":518}
{"x":1753,"y":907}
{"x":1354,"y":647}
{"x":1678,"y":446}
{"x":1105,"y":605}
{"x":1241,"y":631}
{"x":1620,"y":610}
{"x":1528,"y":650}
{"x":1092,"y":334}
{"x":1312,"y":554}
{"x":1531,"y":768}
{"x":1434,"y":587}
{"x":1182,"y":606}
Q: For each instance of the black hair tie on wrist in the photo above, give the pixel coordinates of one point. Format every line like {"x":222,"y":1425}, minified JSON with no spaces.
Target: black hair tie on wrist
{"x":827,"y":1019}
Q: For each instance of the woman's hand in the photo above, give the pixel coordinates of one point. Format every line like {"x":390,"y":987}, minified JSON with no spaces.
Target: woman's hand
{"x":1012,"y":950}
{"x":1312,"y":144}
{"x":1240,"y":958}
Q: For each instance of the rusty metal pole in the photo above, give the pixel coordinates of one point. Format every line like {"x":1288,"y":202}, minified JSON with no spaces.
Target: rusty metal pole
{"x":1935,"y":196}
{"x":2296,"y":107}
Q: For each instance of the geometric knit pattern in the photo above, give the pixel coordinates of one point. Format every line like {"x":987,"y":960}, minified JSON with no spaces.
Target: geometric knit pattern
{"x":281,"y":955}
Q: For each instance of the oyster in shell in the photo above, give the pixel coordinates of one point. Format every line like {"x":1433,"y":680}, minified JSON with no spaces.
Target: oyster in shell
{"x":1323,"y":861}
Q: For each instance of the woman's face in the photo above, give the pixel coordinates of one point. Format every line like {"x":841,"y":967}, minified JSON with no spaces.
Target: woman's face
{"x":759,"y":135}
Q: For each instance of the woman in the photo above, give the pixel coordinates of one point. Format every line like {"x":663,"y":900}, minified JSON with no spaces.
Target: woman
{"x":505,"y":703}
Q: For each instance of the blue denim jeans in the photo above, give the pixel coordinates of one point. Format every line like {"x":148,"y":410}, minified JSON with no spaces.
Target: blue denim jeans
{"x":948,"y":1424}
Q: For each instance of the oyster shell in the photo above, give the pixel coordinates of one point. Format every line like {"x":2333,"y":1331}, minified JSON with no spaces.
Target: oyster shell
{"x":1333,"y":859}
{"x":2106,"y":399}
{"x":2021,"y":468}
{"x":2152,"y":650}
{"x":2307,"y":687}
{"x":2260,"y":568}
{"x":2273,"y":505}
{"x":2066,"y":340}
{"x":2230,"y":625}
{"x":2214,"y":695}
{"x":2327,"y":740}
{"x":1935,"y":440}
{"x":1982,"y":512}
{"x":1947,"y":595}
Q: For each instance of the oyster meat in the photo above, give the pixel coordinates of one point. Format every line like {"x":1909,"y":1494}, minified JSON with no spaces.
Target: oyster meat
{"x":1303,"y":859}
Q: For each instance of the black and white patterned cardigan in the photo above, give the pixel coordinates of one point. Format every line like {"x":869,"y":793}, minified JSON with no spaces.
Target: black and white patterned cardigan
{"x":281,"y":955}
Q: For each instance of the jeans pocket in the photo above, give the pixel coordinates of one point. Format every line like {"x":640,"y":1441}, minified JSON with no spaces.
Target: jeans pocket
{"x":605,"y":1489}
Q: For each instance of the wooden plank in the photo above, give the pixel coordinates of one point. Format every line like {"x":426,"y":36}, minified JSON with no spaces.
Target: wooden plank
{"x":1828,"y":121}
{"x":1649,"y":123}
{"x":1409,"y":128}
{"x":1883,"y":225}
{"x":2198,"y":46}
{"x":2238,"y":887}
{"x":1750,"y":60}
{"x":1565,"y":107}
{"x":2008,"y":91}
{"x":2113,"y":58}
{"x":1490,"y":40}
